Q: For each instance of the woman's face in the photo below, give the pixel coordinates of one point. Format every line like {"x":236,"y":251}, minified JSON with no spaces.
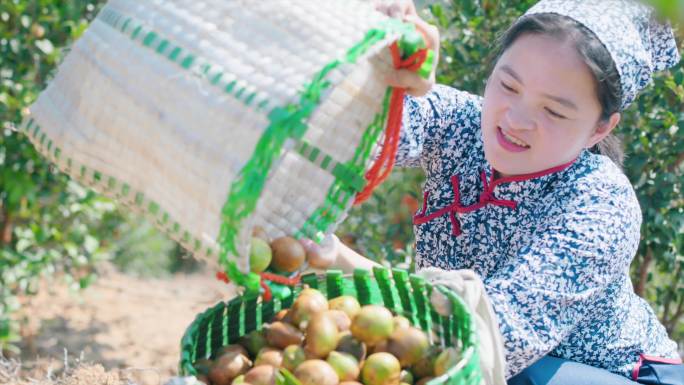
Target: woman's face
{"x":540,"y":107}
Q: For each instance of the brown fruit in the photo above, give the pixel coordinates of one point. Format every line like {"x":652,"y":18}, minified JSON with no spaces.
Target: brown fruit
{"x":349,"y":344}
{"x":345,"y":365}
{"x":254,"y":342}
{"x":280,"y":335}
{"x":288,"y":254}
{"x":260,"y":232}
{"x":202,"y":366}
{"x":350,"y":383}
{"x":262,"y":375}
{"x":203,"y":379}
{"x":445,"y":360}
{"x":372,"y":324}
{"x":232,"y":348}
{"x":322,"y":335}
{"x":341,"y":319}
{"x":228,"y":366}
{"x":379,"y":347}
{"x":269,"y":356}
{"x":308,"y":303}
{"x":316,"y":372}
{"x":401,"y":322}
{"x":348,"y":304}
{"x":293,"y":355}
{"x":381,"y":369}
{"x":424,"y":380}
{"x":283,"y":315}
{"x":409,"y":345}
{"x":425,"y":367}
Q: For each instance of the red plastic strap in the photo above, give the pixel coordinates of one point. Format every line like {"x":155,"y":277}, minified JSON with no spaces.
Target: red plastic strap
{"x":280,"y":279}
{"x":385,"y":162}
{"x":267,"y":296}
{"x":221,"y":276}
{"x":277,"y":279}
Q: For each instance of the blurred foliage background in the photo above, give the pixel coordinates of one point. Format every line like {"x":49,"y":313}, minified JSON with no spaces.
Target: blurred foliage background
{"x":52,"y":227}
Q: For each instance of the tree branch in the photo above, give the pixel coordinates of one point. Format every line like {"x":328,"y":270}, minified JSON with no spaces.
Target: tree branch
{"x":643,"y":273}
{"x":6,"y":230}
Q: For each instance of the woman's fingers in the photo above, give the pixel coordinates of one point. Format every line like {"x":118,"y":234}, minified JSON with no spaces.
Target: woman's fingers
{"x":405,"y":10}
{"x":397,"y":9}
{"x":411,"y":81}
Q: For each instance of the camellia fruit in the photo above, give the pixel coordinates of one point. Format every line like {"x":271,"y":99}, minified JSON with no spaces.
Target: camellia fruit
{"x":288,"y":254}
{"x":372,"y":324}
{"x":381,"y":369}
{"x":259,"y":255}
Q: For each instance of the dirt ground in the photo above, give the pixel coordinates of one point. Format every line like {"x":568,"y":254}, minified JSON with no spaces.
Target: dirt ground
{"x":130,"y":326}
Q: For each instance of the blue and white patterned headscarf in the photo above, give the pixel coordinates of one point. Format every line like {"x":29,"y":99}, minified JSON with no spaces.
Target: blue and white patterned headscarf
{"x":637,"y":42}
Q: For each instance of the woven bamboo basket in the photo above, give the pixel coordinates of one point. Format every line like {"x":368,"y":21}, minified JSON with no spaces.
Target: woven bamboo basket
{"x":402,"y":293}
{"x":211,"y":117}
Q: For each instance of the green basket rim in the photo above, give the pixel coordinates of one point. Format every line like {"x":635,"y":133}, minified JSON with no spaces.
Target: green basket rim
{"x":466,"y":371}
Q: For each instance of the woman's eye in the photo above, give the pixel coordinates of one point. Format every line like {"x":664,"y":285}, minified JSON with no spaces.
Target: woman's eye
{"x":507,"y":87}
{"x":555,"y":114}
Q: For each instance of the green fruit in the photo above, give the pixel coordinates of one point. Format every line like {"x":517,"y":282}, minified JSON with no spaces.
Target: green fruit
{"x":322,"y":335}
{"x":372,"y":324}
{"x":254,"y":342}
{"x":260,"y":255}
{"x":346,"y":366}
{"x":293,"y":355}
{"x":381,"y":369}
{"x":406,"y":377}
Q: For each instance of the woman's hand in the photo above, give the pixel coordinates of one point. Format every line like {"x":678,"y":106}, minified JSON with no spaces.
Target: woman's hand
{"x":405,"y":10}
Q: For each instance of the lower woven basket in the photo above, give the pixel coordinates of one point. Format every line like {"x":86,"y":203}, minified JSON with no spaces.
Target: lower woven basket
{"x":402,"y":293}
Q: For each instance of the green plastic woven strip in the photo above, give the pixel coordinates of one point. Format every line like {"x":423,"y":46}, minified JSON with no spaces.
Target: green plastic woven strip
{"x":404,"y":294}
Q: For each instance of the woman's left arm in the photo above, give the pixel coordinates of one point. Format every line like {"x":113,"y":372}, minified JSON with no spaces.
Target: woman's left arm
{"x":562,"y":275}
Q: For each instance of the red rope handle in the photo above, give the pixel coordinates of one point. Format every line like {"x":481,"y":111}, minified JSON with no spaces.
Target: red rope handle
{"x":267,"y":295}
{"x":280,"y":279}
{"x":382,"y":167}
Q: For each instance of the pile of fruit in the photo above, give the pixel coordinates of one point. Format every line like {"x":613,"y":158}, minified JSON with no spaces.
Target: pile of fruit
{"x":330,"y":342}
{"x":287,"y":255}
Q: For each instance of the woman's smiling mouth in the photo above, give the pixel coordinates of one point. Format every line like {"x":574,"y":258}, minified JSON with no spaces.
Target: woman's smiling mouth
{"x":510,"y":143}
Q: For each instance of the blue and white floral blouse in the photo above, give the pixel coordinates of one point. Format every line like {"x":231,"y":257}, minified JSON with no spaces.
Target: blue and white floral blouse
{"x":553,"y":248}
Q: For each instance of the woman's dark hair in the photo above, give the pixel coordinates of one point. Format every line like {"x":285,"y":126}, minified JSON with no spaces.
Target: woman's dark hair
{"x":595,"y":56}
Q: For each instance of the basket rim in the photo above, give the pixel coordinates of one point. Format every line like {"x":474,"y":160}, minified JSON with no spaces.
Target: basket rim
{"x":469,"y":352}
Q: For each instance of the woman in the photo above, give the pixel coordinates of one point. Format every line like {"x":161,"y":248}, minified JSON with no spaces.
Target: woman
{"x":513,"y":192}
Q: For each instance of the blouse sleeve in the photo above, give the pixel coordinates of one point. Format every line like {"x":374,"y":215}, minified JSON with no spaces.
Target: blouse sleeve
{"x":426,"y":120}
{"x":563,"y":274}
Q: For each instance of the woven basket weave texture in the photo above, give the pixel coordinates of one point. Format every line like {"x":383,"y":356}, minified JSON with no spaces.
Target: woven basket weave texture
{"x":160,"y":105}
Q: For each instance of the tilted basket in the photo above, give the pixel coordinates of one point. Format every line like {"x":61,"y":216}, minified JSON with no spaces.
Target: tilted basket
{"x":211,"y":117}
{"x":400,"y":292}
